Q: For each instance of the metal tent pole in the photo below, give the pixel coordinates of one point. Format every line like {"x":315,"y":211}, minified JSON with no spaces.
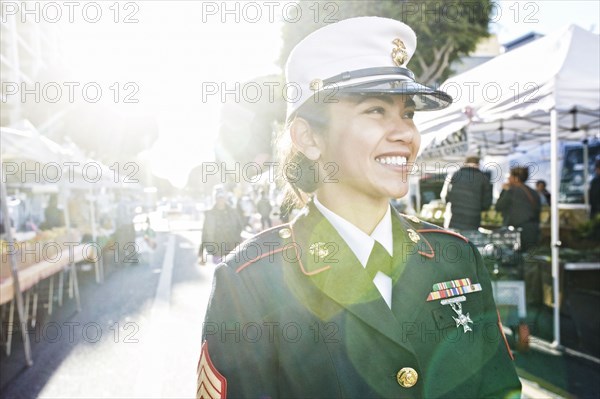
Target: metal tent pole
{"x":554,"y":227}
{"x":13,"y":269}
{"x":98,"y":266}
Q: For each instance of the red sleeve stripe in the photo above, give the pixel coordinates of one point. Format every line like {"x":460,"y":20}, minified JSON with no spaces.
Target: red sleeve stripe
{"x":504,"y":336}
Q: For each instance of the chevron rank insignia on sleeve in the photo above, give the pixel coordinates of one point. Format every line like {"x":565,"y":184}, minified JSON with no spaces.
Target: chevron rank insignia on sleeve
{"x":211,"y":383}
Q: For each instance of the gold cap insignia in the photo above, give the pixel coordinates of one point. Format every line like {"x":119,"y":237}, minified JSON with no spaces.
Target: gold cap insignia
{"x":413,"y":235}
{"x":316,"y":84}
{"x":399,"y":54}
{"x":407,"y":377}
{"x":319,"y":249}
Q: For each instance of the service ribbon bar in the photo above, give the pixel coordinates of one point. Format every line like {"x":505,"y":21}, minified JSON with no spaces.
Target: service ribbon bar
{"x":451,"y":284}
{"x":450,"y":292}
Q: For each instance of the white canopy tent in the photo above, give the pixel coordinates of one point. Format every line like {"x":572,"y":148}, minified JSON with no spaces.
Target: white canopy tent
{"x":548,"y":89}
{"x":76,"y":170}
{"x":509,"y":98}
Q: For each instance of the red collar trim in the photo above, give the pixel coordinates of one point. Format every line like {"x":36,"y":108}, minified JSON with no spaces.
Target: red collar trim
{"x":295,"y":244}
{"x":242,"y":267}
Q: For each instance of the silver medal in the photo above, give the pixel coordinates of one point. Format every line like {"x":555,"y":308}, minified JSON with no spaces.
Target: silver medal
{"x":461,"y":320}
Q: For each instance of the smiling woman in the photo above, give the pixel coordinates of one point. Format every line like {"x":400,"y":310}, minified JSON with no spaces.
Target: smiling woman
{"x":380,"y":142}
{"x":352,"y":299}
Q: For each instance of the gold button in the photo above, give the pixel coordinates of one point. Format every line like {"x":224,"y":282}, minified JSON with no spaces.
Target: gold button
{"x":285,"y":233}
{"x":407,"y":377}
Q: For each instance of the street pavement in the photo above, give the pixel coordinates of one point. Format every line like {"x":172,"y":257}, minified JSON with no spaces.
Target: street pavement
{"x":138,"y":335}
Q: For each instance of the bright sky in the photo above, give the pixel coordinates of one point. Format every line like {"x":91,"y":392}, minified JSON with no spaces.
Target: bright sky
{"x":182,"y":55}
{"x":178,"y":48}
{"x":518,"y":18}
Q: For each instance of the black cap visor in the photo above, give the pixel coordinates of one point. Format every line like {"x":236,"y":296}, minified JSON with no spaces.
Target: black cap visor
{"x":425,"y":98}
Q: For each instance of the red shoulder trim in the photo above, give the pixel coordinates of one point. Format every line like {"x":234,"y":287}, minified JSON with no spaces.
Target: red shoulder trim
{"x":242,"y":267}
{"x":211,"y":383}
{"x":278,"y":227}
{"x":297,"y":256}
{"x":443,"y":231}
{"x":431,"y":253}
{"x":504,"y":336}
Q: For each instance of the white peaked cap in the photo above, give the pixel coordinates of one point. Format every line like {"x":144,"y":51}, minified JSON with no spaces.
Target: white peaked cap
{"x":357,"y":55}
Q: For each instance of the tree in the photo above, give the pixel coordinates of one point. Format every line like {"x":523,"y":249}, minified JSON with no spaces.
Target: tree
{"x":247,"y":126}
{"x":445,"y":31}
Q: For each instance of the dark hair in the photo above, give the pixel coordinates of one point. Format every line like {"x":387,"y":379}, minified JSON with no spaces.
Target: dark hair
{"x":541,"y":182}
{"x":472,"y":159}
{"x":296,"y":170}
{"x":521,"y":173}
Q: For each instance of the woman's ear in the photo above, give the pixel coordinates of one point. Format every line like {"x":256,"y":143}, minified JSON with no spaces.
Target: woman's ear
{"x":305,"y":139}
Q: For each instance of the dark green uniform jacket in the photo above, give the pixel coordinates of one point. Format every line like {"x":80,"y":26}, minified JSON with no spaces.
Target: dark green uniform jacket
{"x":294,"y":314}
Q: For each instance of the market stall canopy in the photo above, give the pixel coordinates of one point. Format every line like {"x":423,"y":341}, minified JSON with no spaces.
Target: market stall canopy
{"x":30,"y":158}
{"x":28,"y":145}
{"x":504,"y":103}
{"x":541,"y":92}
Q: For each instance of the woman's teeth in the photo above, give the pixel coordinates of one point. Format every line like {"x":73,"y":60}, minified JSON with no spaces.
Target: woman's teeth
{"x":396,"y":160}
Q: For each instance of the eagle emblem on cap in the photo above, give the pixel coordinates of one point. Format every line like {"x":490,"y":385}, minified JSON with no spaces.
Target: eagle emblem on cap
{"x":399,"y":53}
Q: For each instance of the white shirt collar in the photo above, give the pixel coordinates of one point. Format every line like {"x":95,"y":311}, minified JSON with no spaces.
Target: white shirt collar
{"x":359,"y":242}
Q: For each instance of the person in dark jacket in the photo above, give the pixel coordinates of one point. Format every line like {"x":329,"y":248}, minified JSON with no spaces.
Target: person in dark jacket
{"x":594,"y":191}
{"x":263,"y":206}
{"x":470,"y":193}
{"x":520,"y":207}
{"x":53,"y":216}
{"x":351,"y":299}
{"x":221,"y":231}
{"x":545,"y":196}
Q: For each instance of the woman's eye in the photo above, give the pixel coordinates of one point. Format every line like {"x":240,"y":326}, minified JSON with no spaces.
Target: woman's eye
{"x":409,"y":114}
{"x":375,"y":110}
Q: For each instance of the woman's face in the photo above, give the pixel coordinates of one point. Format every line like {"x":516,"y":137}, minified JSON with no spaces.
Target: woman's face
{"x":369,"y":147}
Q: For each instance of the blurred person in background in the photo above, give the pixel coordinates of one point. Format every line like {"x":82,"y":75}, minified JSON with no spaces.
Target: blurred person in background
{"x":520,"y":206}
{"x":124,"y":234}
{"x":263,"y":206}
{"x":469,"y":193}
{"x":245,"y":208}
{"x":594,"y":191}
{"x":540,"y":187}
{"x":53,"y":217}
{"x":2,"y":228}
{"x":346,"y":300}
{"x":221,"y":231}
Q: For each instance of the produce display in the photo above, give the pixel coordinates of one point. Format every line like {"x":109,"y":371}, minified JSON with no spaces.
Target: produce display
{"x":46,"y":245}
